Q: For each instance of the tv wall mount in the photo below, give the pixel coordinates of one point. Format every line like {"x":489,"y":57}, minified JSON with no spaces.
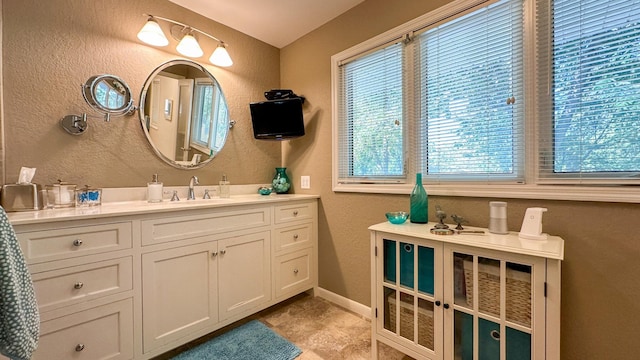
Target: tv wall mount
{"x":279,"y":94}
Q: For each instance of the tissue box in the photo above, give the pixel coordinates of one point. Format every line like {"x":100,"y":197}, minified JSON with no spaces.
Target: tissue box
{"x":21,"y":197}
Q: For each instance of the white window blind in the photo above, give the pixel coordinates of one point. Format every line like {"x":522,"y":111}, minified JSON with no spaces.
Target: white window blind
{"x":472,"y":98}
{"x":589,"y":94}
{"x":371,"y":111}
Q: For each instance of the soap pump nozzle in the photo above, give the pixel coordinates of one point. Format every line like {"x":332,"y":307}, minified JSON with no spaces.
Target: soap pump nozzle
{"x":532,"y":224}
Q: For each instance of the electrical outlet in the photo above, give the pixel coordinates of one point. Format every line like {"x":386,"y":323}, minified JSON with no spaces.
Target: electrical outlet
{"x":305,"y":182}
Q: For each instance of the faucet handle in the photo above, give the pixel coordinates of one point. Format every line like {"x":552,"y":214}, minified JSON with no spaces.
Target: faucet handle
{"x":175,"y":196}
{"x":206,"y":194}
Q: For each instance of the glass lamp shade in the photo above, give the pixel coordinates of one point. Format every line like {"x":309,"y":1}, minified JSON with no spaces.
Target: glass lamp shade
{"x":189,"y":47}
{"x":152,"y":34}
{"x":220,"y":57}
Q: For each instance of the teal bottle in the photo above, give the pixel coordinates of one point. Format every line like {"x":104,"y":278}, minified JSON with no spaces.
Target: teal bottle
{"x":419,"y":212}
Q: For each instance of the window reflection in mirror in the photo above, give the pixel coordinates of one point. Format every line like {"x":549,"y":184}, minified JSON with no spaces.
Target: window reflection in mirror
{"x":184,"y":114}
{"x":111,"y":95}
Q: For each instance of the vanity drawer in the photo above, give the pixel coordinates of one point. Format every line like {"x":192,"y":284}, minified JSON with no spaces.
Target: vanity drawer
{"x":294,"y":212}
{"x":63,"y":243}
{"x":104,"y":332}
{"x":294,"y":237}
{"x":68,"y":286}
{"x":293,"y":272}
{"x":174,"y":228}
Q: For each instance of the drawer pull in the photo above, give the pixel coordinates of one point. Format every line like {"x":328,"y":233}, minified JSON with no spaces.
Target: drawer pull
{"x":77,"y":242}
{"x":78,"y":285}
{"x":295,"y":213}
{"x":214,"y":254}
{"x":79,"y":347}
{"x":295,"y":271}
{"x":223,"y":251}
{"x":295,"y":236}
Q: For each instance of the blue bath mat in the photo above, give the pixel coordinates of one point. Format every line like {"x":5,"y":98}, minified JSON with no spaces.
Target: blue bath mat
{"x":251,"y":341}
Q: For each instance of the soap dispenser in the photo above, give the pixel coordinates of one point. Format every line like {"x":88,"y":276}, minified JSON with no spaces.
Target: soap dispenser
{"x":154,"y":190}
{"x":225,"y":187}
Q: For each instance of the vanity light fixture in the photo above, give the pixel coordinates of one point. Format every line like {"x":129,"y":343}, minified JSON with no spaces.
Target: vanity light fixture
{"x":152,"y":34}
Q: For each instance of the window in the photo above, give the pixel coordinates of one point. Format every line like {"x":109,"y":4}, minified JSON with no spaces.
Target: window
{"x":595,"y":99}
{"x":372,"y":106}
{"x":514,"y":98}
{"x":471,"y":96}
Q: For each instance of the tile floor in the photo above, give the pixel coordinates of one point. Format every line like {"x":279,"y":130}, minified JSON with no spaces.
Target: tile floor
{"x":321,"y":329}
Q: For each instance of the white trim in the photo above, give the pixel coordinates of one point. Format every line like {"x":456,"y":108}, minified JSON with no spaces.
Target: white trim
{"x":622,"y":194}
{"x":353,"y":306}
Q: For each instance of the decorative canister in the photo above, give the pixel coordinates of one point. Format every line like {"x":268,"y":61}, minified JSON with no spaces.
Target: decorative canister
{"x":61,"y":195}
{"x":88,"y":197}
{"x":281,"y":183}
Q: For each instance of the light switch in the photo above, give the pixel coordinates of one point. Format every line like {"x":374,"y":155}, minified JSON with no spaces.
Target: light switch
{"x":305,"y":182}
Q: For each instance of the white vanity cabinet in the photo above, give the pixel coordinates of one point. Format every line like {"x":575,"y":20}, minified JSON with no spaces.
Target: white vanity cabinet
{"x":294,"y":248}
{"x":83,"y":278}
{"x":179,"y":293}
{"x":128,"y":281}
{"x":480,"y":296}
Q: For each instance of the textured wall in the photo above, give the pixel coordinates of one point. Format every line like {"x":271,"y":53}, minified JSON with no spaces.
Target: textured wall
{"x":601,"y":271}
{"x":51,"y":47}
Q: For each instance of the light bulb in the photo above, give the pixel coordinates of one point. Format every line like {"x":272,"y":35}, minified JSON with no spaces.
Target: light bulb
{"x":220,"y":57}
{"x":152,"y":34}
{"x":189,"y":47}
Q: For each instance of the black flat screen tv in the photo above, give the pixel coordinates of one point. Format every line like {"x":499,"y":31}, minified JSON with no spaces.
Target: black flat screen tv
{"x":277,"y":119}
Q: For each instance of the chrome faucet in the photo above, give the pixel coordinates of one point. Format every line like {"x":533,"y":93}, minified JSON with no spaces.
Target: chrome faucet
{"x":194,"y":181}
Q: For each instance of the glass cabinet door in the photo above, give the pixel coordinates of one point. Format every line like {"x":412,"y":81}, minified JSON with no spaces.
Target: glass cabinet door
{"x":408,"y":293}
{"x":493,"y":308}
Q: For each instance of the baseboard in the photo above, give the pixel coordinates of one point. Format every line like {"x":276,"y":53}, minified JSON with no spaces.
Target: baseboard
{"x":356,"y":307}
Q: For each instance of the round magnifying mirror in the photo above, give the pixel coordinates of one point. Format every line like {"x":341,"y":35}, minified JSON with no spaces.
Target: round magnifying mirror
{"x":108,"y":94}
{"x":184,"y":114}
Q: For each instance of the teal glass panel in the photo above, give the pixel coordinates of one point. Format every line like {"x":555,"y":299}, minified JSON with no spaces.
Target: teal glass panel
{"x":488,"y":340}
{"x":389,"y":261}
{"x":425,"y":270}
{"x":463,"y":336}
{"x":406,"y":265}
{"x":518,"y":345}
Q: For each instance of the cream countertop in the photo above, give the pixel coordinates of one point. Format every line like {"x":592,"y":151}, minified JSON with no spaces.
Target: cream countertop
{"x":120,"y":208}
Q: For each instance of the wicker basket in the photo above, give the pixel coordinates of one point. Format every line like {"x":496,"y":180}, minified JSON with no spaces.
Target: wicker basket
{"x":518,"y":299}
{"x":425,"y":322}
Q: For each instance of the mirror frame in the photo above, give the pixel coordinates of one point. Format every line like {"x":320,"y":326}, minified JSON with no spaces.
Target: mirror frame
{"x":89,"y":90}
{"x":143,"y":99}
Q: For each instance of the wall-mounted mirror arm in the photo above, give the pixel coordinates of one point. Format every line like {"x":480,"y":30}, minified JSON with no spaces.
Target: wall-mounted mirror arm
{"x":108,"y":95}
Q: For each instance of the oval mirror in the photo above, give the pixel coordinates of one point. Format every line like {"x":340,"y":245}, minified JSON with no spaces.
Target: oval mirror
{"x":108,"y":94}
{"x":184,"y":114}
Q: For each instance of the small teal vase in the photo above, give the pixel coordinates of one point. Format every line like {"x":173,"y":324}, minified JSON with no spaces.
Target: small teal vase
{"x":281,"y":183}
{"x":419,"y":203}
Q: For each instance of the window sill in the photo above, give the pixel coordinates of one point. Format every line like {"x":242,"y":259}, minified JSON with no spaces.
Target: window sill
{"x":623,"y":194}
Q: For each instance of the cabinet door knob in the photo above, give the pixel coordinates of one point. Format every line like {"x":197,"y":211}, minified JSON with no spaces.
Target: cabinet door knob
{"x":223,"y":251}
{"x":77,"y":242}
{"x":214,"y":254}
{"x":78,"y":285}
{"x":79,"y":347}
{"x":438,"y":303}
{"x":295,"y":271}
{"x":446,"y":306}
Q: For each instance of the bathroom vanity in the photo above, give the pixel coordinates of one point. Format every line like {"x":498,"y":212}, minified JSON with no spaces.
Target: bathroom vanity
{"x":465,"y":296}
{"x":132,"y":280}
